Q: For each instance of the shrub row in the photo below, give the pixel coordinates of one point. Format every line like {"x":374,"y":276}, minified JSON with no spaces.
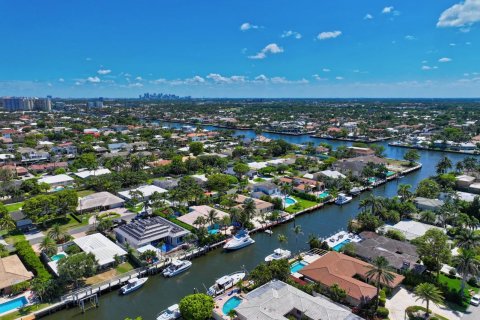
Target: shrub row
{"x":31,"y":260}
{"x":306,"y":196}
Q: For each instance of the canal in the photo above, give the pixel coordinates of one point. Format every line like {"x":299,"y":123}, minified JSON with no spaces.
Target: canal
{"x":159,"y":293}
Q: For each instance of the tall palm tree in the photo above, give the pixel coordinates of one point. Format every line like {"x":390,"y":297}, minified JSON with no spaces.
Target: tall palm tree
{"x":49,"y":246}
{"x":212,"y":217}
{"x":467,"y":265}
{"x":225,"y":221}
{"x":376,"y":204}
{"x":429,"y":292}
{"x":468,"y":239}
{"x":235,"y":214}
{"x":297,"y":230}
{"x":199,"y":222}
{"x":380,"y":271}
{"x":443,"y":165}
{"x":428,"y":216}
{"x":249,"y":210}
{"x":57,"y":233}
{"x":282,"y":238}
{"x":7,"y":222}
{"x":404,"y":191}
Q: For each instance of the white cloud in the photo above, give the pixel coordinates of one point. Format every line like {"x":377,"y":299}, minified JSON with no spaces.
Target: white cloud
{"x":135,"y":85}
{"x":452,"y":44}
{"x":93,"y":79}
{"x":291,"y":33}
{"x":261,"y":78}
{"x":410,"y":37}
{"x":444,"y":60}
{"x":104,"y":71}
{"x":460,"y":14}
{"x":272,"y":48}
{"x":318,"y":77}
{"x":247,"y":26}
{"x":61,"y":80}
{"x":387,"y":10}
{"x":88,"y":59}
{"x":139,"y":78}
{"x":368,"y":16}
{"x":326,"y":70}
{"x":159,"y":81}
{"x":329,"y":35}
{"x":339,"y":78}
{"x":195,"y":79}
{"x":426,"y":68}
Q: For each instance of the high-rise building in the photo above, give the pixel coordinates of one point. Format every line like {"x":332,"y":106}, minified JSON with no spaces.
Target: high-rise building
{"x":27,"y":104}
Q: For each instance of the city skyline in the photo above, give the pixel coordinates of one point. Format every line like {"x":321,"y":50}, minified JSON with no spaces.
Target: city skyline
{"x":241,"y":49}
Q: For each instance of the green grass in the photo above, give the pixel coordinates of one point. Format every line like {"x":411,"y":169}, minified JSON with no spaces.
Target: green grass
{"x":124,"y":267}
{"x":84,"y":193}
{"x":135,"y":209}
{"x":24,"y":311}
{"x":14,"y":206}
{"x":301,"y":204}
{"x":13,"y":237}
{"x":455,"y":284}
{"x":67,"y":222}
{"x":258,"y":180}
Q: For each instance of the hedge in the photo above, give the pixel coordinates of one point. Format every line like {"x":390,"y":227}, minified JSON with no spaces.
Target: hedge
{"x":382,"y":312}
{"x":306,"y":196}
{"x":31,"y":260}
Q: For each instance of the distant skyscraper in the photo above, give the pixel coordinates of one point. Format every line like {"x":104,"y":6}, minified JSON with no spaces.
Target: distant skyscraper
{"x":27,"y":104}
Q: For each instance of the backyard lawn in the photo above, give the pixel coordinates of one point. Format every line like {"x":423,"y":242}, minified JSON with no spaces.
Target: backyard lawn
{"x":455,"y":284}
{"x":300,"y":205}
{"x":84,"y":193}
{"x":22,"y":312}
{"x":14,"y":206}
{"x":124,"y":267}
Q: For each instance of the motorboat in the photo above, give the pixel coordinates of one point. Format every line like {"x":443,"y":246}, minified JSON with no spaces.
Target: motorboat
{"x":132,"y":285}
{"x":278,"y":254}
{"x":171,"y":313}
{"x":240,"y":240}
{"x":343,"y":199}
{"x":225,"y":283}
{"x":355,"y":191}
{"x":270,"y":232}
{"x":176,"y":267}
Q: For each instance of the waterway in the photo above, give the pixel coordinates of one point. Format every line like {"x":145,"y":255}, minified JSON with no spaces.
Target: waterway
{"x":159,"y":293}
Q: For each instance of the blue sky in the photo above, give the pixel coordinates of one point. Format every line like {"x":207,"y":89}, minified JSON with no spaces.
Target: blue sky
{"x":241,"y":48}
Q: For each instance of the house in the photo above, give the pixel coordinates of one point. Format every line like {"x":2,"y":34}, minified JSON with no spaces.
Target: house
{"x":356,"y":165}
{"x":303,"y":184}
{"x":332,"y":174}
{"x":15,"y":170}
{"x":359,"y":152}
{"x":102,"y":248}
{"x":400,"y":255}
{"x":84,"y":174}
{"x":32,"y":155}
{"x":200,"y":179}
{"x":47,"y":167}
{"x":116,"y":147}
{"x":279,"y":300}
{"x":65,"y":149}
{"x":201,"y":211}
{"x":410,"y":229}
{"x":167,"y":184}
{"x":261,"y":207}
{"x":266,"y":188}
{"x":99,"y":201}
{"x":136,"y":146}
{"x":12,"y":272}
{"x":145,"y":190}
{"x":139,"y":233}
{"x":464,"y":181}
{"x":345,"y":271}
{"x":428,"y":204}
{"x":159,"y":163}
{"x":59,"y":180}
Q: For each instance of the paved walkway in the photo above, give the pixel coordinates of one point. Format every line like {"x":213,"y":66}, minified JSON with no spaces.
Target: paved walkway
{"x":403,"y":299}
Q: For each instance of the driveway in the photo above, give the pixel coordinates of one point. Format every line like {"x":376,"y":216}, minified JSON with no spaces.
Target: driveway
{"x":473,"y":313}
{"x":404,"y":299}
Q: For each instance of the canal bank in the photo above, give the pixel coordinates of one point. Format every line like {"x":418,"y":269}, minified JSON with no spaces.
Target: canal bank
{"x":159,"y":293}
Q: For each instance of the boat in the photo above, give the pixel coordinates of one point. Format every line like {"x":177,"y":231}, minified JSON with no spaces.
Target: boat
{"x":171,"y":313}
{"x":343,"y":199}
{"x":278,"y":254}
{"x":176,"y":267}
{"x":240,"y":240}
{"x":355,"y":191}
{"x":132,"y":285}
{"x":270,"y":232}
{"x":225,"y":283}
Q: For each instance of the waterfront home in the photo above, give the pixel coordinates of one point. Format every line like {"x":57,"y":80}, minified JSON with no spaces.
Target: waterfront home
{"x":358,"y":152}
{"x":303,"y":184}
{"x":279,"y":300}
{"x":428,"y":204}
{"x":167,"y":183}
{"x":150,"y":231}
{"x":84,"y":174}
{"x":102,"y":248}
{"x":411,"y":229}
{"x":59,"y":180}
{"x":332,"y":174}
{"x":261,"y":207}
{"x":464,"y":181}
{"x":99,"y":201}
{"x":400,"y":255}
{"x":356,"y":165}
{"x":12,"y":271}
{"x":146,"y":191}
{"x":345,"y":271}
{"x":201,"y":211}
{"x":267,"y":188}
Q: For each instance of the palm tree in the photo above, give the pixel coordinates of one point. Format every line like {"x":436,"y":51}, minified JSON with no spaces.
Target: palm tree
{"x":57,"y":233}
{"x":249,"y":210}
{"x":7,"y":222}
{"x":381,"y":273}
{"x":297,"y":230}
{"x":428,"y":216}
{"x":282,"y":238}
{"x":468,"y":239}
{"x":49,"y":246}
{"x":429,"y":292}
{"x":117,"y":162}
{"x":225,"y":221}
{"x":404,"y":191}
{"x":212,"y":217}
{"x":467,"y":265}
{"x":375,"y":203}
{"x":199,"y":222}
{"x":443,"y":165}
{"x":235,"y":214}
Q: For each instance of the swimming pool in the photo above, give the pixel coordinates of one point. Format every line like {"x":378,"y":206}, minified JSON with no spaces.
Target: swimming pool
{"x":341,"y":244}
{"x":231,"y":304}
{"x":390,"y":173}
{"x":213,"y":231}
{"x":13,"y":304}
{"x":323,"y":195}
{"x":289,"y":201}
{"x":58,"y":256}
{"x":297,"y":266}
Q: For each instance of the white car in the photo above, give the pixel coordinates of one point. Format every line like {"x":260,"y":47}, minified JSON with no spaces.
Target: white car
{"x":475,"y":300}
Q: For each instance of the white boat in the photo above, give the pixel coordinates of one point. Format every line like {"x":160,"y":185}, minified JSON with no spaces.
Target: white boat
{"x":225,"y":283}
{"x":171,"y":313}
{"x":132,"y":285}
{"x":270,"y":232}
{"x":343,"y":199}
{"x":240,"y":240}
{"x":278,"y":254}
{"x":355,"y":191}
{"x":176,"y":267}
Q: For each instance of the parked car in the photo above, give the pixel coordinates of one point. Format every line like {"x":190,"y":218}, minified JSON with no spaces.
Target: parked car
{"x":475,"y":300}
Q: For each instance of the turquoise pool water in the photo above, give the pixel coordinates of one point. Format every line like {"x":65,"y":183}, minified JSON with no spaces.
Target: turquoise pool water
{"x":58,"y":256}
{"x":323,"y":195}
{"x":372,"y":180}
{"x":231,"y":304}
{"x":340,"y":245}
{"x":213,"y":231}
{"x":289,"y":201}
{"x":297,"y":266}
{"x":13,"y":304}
{"x":390,"y":173}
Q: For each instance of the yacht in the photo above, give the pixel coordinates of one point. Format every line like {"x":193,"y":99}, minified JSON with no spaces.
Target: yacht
{"x":132,"y":285}
{"x":343,"y":199}
{"x":225,"y":283}
{"x":176,"y":267}
{"x":171,"y":313}
{"x":240,"y":240}
{"x":269,"y":231}
{"x":355,"y":191}
{"x":278,"y":254}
